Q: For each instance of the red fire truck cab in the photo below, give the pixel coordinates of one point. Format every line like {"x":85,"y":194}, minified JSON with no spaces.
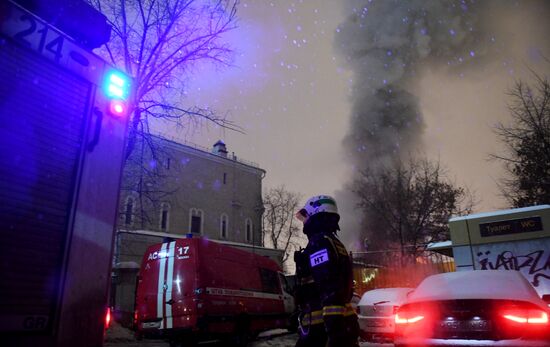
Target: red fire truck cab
{"x":194,"y":288}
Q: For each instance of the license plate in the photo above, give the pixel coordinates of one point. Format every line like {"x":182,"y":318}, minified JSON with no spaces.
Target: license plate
{"x":376,"y":324}
{"x":150,"y":325}
{"x":473,"y":325}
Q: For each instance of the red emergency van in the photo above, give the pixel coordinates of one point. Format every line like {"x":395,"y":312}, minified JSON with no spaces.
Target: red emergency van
{"x":195,"y":288}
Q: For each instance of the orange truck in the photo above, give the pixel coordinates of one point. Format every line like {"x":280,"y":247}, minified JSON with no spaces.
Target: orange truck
{"x":194,"y":288}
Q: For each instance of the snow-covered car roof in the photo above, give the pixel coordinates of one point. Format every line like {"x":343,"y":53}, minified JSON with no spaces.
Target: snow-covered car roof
{"x":477,"y":284}
{"x":394,"y":296}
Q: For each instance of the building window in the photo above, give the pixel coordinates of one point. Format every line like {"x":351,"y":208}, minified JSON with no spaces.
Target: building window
{"x":195,"y":220}
{"x":167,"y":164}
{"x":248,"y":228}
{"x":164,"y":216}
{"x":223,"y":226}
{"x":129,"y":211}
{"x":224,"y":178}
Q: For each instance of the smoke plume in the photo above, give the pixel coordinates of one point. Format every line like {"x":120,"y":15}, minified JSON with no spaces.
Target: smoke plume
{"x":390,"y":44}
{"x":387,"y":44}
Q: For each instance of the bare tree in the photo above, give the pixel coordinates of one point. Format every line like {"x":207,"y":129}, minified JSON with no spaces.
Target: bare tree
{"x":527,"y":144}
{"x":408,"y":205}
{"x":150,"y":176}
{"x":281,"y":229}
{"x":158,"y":42}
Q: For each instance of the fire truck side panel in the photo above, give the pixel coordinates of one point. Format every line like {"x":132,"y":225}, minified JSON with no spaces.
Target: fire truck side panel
{"x":241,"y":283}
{"x":92,"y":237}
{"x":62,"y":155}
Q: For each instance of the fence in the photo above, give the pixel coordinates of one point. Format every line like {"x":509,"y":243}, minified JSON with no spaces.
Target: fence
{"x":387,"y":269}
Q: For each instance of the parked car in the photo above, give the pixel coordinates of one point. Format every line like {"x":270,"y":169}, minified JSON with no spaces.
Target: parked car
{"x":376,"y":312}
{"x":473,"y":308}
{"x":355,"y":301}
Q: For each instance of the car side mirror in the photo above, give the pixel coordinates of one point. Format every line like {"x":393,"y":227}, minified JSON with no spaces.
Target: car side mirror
{"x":546,"y":298}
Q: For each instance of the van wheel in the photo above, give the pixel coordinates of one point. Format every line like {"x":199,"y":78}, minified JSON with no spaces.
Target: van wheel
{"x":183,"y":341}
{"x":293,"y":322}
{"x":241,"y":334}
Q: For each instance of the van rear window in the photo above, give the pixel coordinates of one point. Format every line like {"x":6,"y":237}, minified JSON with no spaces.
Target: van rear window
{"x":270,"y":282}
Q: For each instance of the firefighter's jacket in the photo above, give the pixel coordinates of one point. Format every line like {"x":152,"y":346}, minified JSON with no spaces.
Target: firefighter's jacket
{"x":324,"y":277}
{"x":307,"y":295}
{"x":331,"y":270}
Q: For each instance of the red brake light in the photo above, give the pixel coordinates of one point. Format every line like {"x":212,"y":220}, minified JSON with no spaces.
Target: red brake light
{"x":526,"y":316}
{"x":541,"y":318}
{"x":408,"y":318}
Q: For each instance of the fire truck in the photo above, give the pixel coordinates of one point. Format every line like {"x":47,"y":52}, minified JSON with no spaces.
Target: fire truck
{"x":63,"y":121}
{"x":194,"y":288}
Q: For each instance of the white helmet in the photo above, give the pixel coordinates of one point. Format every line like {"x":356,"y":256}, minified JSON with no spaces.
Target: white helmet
{"x":317,"y":204}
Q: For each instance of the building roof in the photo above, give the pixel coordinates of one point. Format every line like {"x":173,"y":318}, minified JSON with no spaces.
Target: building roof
{"x":443,"y":247}
{"x":206,"y":153}
{"x":500,"y":213}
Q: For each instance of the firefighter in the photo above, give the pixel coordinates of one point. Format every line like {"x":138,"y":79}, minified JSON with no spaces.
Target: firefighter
{"x":327,"y":267}
{"x":311,"y":327}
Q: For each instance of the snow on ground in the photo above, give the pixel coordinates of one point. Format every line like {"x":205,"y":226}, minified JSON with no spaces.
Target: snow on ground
{"x":118,"y":336}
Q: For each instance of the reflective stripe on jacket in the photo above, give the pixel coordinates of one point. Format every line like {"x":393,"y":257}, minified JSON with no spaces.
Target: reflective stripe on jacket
{"x":338,"y":310}
{"x":312,"y":318}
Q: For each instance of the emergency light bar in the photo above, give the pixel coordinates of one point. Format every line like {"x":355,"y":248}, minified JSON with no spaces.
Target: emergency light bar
{"x":117,"y":85}
{"x":117,"y":107}
{"x":117,"y":89}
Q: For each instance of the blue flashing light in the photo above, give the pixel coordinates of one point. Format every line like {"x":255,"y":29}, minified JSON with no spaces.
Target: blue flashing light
{"x":117,"y":85}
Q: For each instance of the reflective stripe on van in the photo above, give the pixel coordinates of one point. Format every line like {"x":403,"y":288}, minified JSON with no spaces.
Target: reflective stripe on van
{"x":165,"y":284}
{"x":161,"y":283}
{"x":170,"y":282}
{"x":243,"y":293}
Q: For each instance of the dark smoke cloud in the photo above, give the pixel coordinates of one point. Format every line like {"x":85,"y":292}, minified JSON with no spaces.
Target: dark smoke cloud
{"x":387,"y":43}
{"x":390,"y":44}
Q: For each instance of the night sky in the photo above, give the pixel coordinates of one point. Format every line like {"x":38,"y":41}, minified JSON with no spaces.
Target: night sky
{"x":307,"y":77}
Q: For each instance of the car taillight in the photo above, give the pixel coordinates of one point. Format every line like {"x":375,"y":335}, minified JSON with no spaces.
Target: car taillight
{"x":526,"y":316}
{"x":408,"y":317}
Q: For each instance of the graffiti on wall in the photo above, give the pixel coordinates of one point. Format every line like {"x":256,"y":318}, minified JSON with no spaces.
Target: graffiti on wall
{"x":536,"y":263}
{"x":531,"y":258}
